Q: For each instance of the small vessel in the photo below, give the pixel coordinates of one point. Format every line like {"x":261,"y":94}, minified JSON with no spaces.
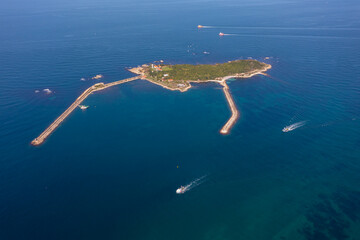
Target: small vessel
{"x":293,"y":126}
{"x":286,"y":129}
{"x":83,"y":107}
{"x":193,"y":184}
{"x":221,"y":34}
{"x":200,"y":26}
{"x":180,"y":190}
{"x":47,"y":91}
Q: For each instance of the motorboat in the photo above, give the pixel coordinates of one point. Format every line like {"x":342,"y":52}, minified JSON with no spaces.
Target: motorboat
{"x":83,"y":107}
{"x":221,"y":34}
{"x":294,"y":126}
{"x":180,"y":190}
{"x":286,"y":129}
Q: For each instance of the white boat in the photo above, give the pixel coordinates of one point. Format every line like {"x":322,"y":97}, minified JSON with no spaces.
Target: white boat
{"x":286,"y":129}
{"x":180,"y":190}
{"x":294,"y":126}
{"x":83,"y":107}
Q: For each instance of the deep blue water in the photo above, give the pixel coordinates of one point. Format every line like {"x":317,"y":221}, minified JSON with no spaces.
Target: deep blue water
{"x":111,"y":172}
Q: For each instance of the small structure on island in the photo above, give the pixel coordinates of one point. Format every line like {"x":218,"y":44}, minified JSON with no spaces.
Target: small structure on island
{"x":156,"y":67}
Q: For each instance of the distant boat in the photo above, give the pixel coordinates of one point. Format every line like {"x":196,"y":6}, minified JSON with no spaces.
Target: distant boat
{"x":83,"y":107}
{"x":294,"y":126}
{"x":286,"y":129}
{"x":193,"y":184}
{"x":200,"y":26}
{"x":221,"y":34}
{"x":181,"y":190}
{"x":47,"y":91}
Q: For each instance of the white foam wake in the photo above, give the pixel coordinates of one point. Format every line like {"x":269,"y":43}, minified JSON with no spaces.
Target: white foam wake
{"x":294,"y":126}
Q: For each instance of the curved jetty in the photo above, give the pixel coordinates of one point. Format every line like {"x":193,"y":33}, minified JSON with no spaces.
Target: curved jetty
{"x":96,"y":87}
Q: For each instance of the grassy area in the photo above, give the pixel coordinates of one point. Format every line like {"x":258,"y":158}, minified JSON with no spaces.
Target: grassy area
{"x":99,"y":85}
{"x":184,"y":72}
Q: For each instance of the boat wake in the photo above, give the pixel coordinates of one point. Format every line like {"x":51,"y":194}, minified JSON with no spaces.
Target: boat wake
{"x":193,"y":184}
{"x":228,"y":34}
{"x":294,"y":126}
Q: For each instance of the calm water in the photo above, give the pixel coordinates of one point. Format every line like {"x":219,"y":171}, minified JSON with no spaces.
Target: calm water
{"x":111,"y":171}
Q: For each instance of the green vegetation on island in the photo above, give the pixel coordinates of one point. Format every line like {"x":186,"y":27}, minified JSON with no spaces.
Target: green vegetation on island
{"x":201,"y":72}
{"x":98,"y":85}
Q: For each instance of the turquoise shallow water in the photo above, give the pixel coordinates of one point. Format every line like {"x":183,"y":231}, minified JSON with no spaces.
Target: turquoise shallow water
{"x":111,"y":172}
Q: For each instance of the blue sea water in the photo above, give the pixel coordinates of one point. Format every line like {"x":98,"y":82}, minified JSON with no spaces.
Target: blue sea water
{"x":111,"y":172}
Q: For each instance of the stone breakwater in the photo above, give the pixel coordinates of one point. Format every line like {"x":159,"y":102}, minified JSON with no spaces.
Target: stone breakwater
{"x":96,"y":87}
{"x":234,"y":112}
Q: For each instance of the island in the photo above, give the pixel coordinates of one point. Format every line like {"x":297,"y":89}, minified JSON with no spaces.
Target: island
{"x":180,"y":76}
{"x":176,"y":77}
